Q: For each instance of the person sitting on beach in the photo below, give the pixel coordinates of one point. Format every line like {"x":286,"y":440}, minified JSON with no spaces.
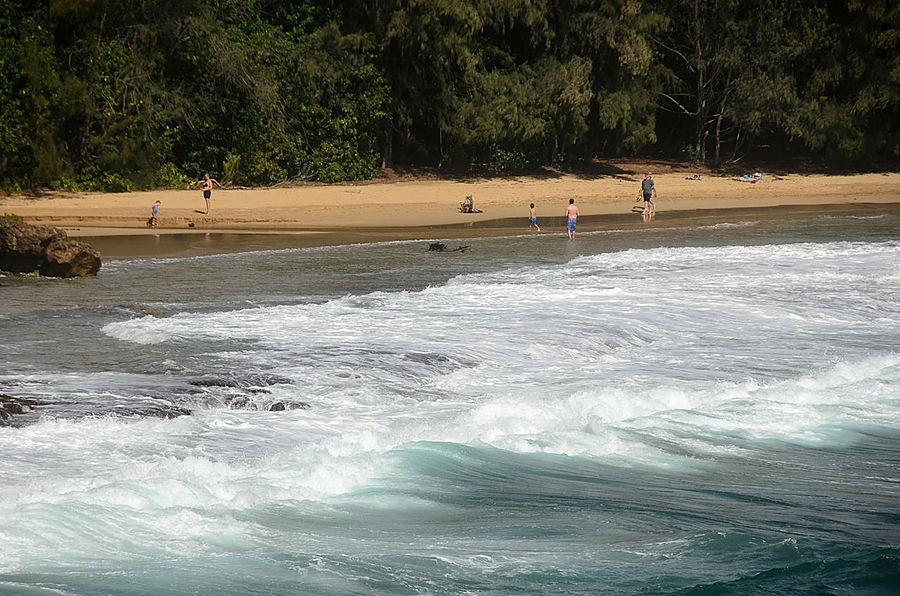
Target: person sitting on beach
{"x":571,"y":218}
{"x":648,"y":190}
{"x":532,"y":221}
{"x":207,"y":189}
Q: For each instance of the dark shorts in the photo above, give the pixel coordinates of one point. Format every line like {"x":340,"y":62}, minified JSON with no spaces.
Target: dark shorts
{"x":647,"y":196}
{"x":207,"y":194}
{"x":570,"y":224}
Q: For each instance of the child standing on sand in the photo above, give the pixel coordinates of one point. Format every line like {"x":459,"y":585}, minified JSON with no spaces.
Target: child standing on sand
{"x":154,"y":215}
{"x":532,"y":221}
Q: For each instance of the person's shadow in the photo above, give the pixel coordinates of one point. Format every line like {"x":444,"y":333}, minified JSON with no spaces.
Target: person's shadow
{"x":200,"y":212}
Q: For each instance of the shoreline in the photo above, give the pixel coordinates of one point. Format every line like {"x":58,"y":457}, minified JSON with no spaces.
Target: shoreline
{"x":409,"y":209}
{"x":186,"y":243}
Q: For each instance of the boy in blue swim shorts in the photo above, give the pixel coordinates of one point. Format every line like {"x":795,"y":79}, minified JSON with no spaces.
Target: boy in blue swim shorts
{"x":571,"y":218}
{"x":532,"y":221}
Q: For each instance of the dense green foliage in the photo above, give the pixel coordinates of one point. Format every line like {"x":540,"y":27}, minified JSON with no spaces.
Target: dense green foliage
{"x":104,"y":94}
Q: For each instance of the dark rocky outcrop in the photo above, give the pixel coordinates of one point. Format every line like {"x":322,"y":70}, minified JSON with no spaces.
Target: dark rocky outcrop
{"x":243,"y":403}
{"x":166,"y":411}
{"x":25,"y":248}
{"x":11,"y":406}
{"x":250,"y":385}
{"x":21,"y":411}
{"x":441,"y":247}
{"x":247,"y":393}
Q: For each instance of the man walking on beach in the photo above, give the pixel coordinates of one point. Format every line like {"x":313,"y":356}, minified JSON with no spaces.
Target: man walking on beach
{"x":648,"y":190}
{"x":571,"y":218}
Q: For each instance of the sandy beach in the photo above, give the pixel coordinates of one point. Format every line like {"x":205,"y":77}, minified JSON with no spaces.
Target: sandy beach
{"x":401,"y":207}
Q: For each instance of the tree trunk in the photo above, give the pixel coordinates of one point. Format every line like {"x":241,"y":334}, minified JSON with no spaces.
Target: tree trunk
{"x":719,"y":117}
{"x":387,"y":147}
{"x":700,"y":122}
{"x":86,"y":127}
{"x":440,"y":143}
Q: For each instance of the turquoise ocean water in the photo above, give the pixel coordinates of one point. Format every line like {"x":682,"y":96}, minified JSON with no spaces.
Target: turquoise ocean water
{"x":708,"y":410}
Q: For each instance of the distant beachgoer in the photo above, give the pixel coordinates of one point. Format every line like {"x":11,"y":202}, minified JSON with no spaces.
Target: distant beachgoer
{"x":571,"y":218}
{"x":154,"y":215}
{"x":532,"y":221}
{"x":207,"y":188}
{"x":648,"y":190}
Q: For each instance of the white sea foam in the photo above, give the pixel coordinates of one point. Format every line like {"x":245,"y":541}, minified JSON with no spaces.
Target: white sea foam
{"x":595,"y":315}
{"x":663,"y":356}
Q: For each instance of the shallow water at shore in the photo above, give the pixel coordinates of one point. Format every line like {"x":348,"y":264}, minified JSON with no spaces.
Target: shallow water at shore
{"x":117,"y":243}
{"x":685,"y":409}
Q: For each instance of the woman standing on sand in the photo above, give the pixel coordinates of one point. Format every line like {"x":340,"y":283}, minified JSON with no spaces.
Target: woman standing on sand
{"x":207,"y":189}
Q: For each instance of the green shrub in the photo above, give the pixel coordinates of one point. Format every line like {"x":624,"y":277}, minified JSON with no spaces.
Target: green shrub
{"x":230,"y":168}
{"x":168,"y":176}
{"x":503,"y":159}
{"x":71,"y":184}
{"x":114,"y":183}
{"x":10,"y":185}
{"x":108,"y":182}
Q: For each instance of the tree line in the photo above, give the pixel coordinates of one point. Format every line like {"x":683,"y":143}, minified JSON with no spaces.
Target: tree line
{"x":106,"y":94}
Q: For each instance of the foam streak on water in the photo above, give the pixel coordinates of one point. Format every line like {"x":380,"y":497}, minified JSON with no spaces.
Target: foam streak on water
{"x":673,"y":416}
